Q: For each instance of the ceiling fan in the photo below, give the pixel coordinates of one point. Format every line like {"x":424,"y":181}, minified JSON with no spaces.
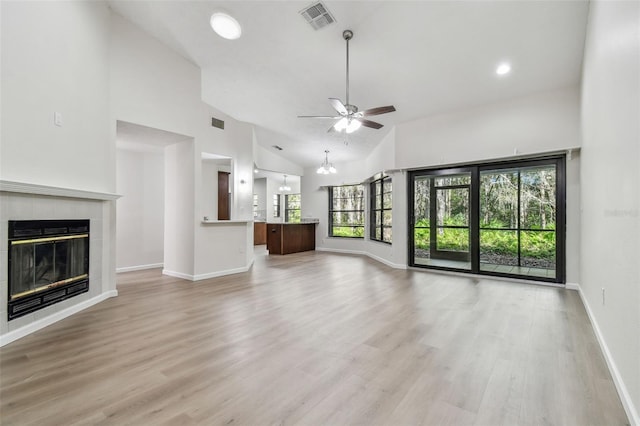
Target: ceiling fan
{"x":349,"y":118}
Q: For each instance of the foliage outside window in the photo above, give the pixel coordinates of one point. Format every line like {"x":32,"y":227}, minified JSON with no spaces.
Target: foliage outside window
{"x":292,"y":208}
{"x":381,"y":208}
{"x":276,"y":205}
{"x":518,"y":217}
{"x":346,"y":211}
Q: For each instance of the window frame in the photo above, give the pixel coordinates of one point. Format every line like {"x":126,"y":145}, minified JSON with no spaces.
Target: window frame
{"x":276,"y":205}
{"x":374,"y":196}
{"x":559,"y":161}
{"x":288,"y":210}
{"x":332,"y":211}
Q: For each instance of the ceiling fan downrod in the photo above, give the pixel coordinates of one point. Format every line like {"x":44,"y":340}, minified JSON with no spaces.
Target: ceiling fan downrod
{"x":347,"y":35}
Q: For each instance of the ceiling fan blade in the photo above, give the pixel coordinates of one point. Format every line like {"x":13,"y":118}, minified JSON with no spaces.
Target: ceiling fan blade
{"x":369,"y":123}
{"x":320,"y":116}
{"x":379,"y":110}
{"x":338,"y":106}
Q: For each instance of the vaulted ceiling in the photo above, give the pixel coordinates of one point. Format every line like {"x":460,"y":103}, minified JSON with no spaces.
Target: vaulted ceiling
{"x":423,"y":57}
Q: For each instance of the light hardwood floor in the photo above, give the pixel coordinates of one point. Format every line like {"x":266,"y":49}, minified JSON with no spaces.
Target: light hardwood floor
{"x":318,"y":339}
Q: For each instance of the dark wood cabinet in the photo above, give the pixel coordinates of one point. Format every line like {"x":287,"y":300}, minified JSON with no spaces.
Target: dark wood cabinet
{"x":259,"y":233}
{"x":224,"y":210}
{"x":285,"y":238}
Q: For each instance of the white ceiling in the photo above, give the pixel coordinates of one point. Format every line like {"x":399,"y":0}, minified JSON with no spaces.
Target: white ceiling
{"x":423,"y":57}
{"x":134,"y":137}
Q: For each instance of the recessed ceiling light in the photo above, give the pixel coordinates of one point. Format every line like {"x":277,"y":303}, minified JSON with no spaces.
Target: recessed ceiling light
{"x":503,"y":68}
{"x":225,"y":26}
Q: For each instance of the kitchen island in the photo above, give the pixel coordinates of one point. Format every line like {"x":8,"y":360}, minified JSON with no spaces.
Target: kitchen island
{"x":286,"y":238}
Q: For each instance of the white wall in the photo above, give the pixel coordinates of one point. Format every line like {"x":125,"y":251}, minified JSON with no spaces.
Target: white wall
{"x":55,"y":58}
{"x":533,"y":124}
{"x":524,"y":126}
{"x":140,"y":210}
{"x":161,"y":89}
{"x":610,"y":247}
{"x":315,"y":202}
{"x":266,"y":160}
{"x":179,"y":222}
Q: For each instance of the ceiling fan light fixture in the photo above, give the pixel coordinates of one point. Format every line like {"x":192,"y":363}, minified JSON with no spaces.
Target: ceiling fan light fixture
{"x":342,"y":124}
{"x":225,"y":26}
{"x":353,"y":126}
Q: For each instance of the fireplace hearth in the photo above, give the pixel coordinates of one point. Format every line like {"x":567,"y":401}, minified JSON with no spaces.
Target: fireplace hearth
{"x":48,"y":263}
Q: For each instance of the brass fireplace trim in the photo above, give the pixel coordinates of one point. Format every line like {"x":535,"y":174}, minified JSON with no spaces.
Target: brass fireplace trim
{"x":49,"y":239}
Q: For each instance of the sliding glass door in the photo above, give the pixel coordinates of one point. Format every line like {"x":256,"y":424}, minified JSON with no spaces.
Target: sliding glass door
{"x":497,"y":219}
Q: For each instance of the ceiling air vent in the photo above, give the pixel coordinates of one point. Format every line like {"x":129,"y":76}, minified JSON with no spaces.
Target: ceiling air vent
{"x":217,"y":123}
{"x":317,"y":15}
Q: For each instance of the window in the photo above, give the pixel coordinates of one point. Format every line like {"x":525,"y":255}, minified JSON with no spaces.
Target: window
{"x":381,"y":203}
{"x":502,"y":219}
{"x":255,"y":206}
{"x":276,"y":205}
{"x":292,"y":208}
{"x":346,"y":211}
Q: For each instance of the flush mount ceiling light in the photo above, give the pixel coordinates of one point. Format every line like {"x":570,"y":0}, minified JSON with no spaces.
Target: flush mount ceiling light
{"x":503,"y":69}
{"x":284,"y":187}
{"x":326,"y":167}
{"x":225,"y":26}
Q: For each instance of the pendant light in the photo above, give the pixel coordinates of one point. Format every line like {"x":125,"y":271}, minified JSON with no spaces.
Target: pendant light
{"x":284,"y":187}
{"x":326,"y":167}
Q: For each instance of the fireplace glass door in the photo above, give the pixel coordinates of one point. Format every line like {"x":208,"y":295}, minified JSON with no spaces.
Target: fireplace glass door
{"x":48,"y":262}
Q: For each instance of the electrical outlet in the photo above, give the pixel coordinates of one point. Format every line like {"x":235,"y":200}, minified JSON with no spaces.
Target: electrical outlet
{"x":57,"y":119}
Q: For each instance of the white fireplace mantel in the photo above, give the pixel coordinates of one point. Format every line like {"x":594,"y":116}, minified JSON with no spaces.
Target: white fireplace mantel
{"x":54,"y":191}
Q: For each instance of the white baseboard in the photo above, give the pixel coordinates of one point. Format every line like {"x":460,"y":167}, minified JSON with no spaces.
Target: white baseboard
{"x":627,"y":402}
{"x":334,"y":250}
{"x":53,"y":318}
{"x":139,"y":267}
{"x":363,"y":253}
{"x":572,"y":286}
{"x":177,"y":274}
{"x":207,"y":275}
{"x":386,"y":262}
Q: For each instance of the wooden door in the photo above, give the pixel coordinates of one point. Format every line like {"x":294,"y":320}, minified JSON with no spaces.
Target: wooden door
{"x":224,"y":210}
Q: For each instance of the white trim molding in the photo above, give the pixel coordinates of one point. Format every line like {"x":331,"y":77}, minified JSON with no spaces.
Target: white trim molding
{"x":363,"y":253}
{"x":54,"y":191}
{"x":572,"y":286}
{"x":625,"y":398}
{"x":14,"y":335}
{"x":139,"y":267}
{"x":343,"y":251}
{"x":386,"y":262}
{"x":208,"y":275}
